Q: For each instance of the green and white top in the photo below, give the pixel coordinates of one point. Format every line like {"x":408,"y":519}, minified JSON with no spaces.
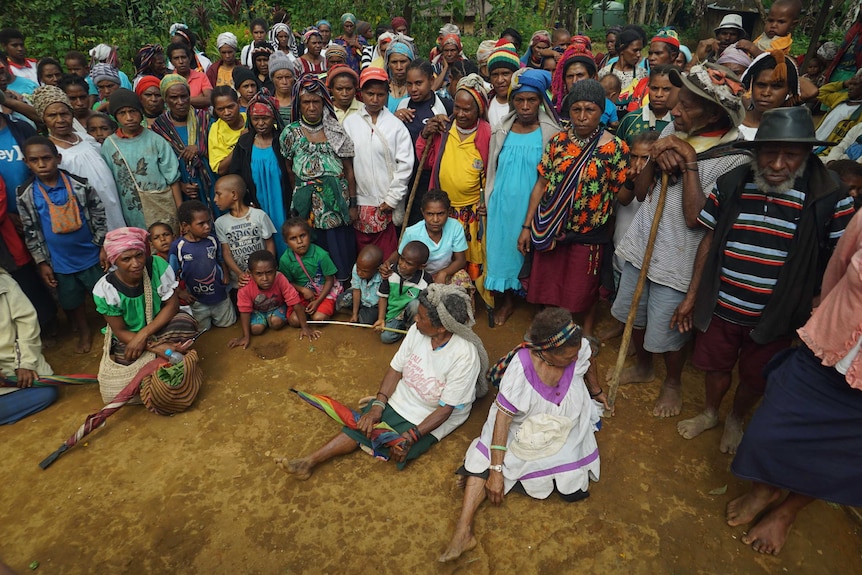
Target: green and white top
{"x":114,"y":298}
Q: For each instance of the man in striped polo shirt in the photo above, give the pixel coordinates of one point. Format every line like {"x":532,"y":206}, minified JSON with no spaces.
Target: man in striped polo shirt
{"x":771,"y":226}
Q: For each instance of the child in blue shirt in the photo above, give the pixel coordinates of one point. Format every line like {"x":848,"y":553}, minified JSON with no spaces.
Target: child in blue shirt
{"x":64,"y":228}
{"x":194,"y":256}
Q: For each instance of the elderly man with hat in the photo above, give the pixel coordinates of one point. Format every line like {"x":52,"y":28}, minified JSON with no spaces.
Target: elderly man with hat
{"x":728,"y":32}
{"x":693,"y":151}
{"x":770,"y":227}
{"x":382,"y":165}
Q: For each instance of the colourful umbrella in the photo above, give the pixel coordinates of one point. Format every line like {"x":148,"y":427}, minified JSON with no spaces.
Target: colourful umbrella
{"x":382,"y":436}
{"x":97,"y":419}
{"x":46,"y":380}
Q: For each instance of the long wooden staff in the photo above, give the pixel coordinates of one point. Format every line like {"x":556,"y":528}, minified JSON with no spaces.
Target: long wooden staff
{"x":639,"y":288}
{"x":413,"y":189}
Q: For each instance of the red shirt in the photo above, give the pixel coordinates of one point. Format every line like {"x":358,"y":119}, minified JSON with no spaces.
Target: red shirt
{"x":9,"y":234}
{"x":251,"y":298}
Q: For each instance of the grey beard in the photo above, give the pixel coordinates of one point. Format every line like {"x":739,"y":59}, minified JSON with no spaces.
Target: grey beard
{"x":767,"y":188}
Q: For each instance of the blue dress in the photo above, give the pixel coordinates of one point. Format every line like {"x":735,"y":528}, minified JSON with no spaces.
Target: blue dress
{"x":267,"y":179}
{"x":507,"y":208}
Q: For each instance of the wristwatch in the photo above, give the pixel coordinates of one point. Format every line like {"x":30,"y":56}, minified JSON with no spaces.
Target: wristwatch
{"x":498,"y":468}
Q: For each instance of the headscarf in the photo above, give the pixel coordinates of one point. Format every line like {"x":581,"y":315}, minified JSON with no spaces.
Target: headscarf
{"x":530,"y":80}
{"x":362,"y":27}
{"x":226,"y":39}
{"x":783,"y":68}
{"x":385,"y":37}
{"x":437,"y":295}
{"x":123,"y":98}
{"x":309,"y":33}
{"x":397,"y":22}
{"x":147,"y":82}
{"x":540,"y":36}
{"x":450,"y":28}
{"x":347,"y":16}
{"x":338,"y":70}
{"x":483,"y":53}
{"x":474,"y":85}
{"x":177,"y":27}
{"x":103,"y":53}
{"x":685,"y":52}
{"x":99,"y":72}
{"x":336,"y":49}
{"x":504,"y":56}
{"x":44,"y":96}
{"x":451,"y":39}
{"x":262,"y":104}
{"x":583,"y":41}
{"x":398,"y":47}
{"x":827,"y":51}
{"x":576,"y":53}
{"x":570,"y":330}
{"x":172,"y":80}
{"x":145,"y":56}
{"x":124,"y":239}
{"x":311,"y":84}
{"x":291,"y":41}
{"x":733,"y":55}
{"x":323,"y":22}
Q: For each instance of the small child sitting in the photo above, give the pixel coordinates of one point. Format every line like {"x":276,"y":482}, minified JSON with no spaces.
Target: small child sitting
{"x":263,"y":301}
{"x":100,"y":126}
{"x":161,"y":238}
{"x":399,"y":294}
{"x":311,"y":271}
{"x":64,"y":228}
{"x":363,"y":298}
{"x":194,"y":258}
{"x":850,"y":173}
{"x":242,"y":231}
{"x":780,"y":21}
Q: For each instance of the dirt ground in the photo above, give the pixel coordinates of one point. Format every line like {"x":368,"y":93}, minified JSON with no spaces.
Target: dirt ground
{"x":198,"y":492}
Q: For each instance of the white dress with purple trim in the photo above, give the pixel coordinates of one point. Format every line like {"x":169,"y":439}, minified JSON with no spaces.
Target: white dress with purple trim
{"x":524,"y":394}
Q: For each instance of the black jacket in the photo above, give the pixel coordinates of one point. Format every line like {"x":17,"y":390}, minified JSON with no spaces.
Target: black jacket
{"x":240,"y":164}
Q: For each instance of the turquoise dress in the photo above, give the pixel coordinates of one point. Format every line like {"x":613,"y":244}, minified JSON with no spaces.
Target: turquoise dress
{"x":267,"y":180}
{"x":507,"y":208}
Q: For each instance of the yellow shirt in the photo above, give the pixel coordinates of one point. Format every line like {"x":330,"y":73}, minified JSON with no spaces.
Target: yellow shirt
{"x":222,"y":141}
{"x":354,"y":107}
{"x":461,"y":169}
{"x":767,"y":44}
{"x":224,"y":77}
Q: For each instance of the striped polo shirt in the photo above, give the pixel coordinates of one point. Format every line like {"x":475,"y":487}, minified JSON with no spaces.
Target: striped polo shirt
{"x":757,"y":246}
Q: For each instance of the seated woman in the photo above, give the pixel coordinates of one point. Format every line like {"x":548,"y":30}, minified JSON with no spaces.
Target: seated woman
{"x":119,"y":297}
{"x":20,"y":355}
{"x":428,"y":389}
{"x":539,"y":435}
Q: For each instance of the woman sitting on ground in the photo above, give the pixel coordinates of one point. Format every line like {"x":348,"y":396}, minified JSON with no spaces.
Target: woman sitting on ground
{"x":427,"y":391}
{"x":119,"y":297}
{"x":539,"y":435}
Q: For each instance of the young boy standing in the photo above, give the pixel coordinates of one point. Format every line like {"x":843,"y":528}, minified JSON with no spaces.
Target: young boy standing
{"x":12,"y":42}
{"x":64,"y":228}
{"x":194,"y":258}
{"x":242,"y":231}
{"x":399,"y":294}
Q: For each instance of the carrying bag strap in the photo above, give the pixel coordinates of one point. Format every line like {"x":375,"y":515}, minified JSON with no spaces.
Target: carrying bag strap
{"x":129,"y":168}
{"x":148,"y":310}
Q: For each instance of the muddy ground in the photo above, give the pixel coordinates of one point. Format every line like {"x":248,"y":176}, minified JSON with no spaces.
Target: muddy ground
{"x":198,"y":492}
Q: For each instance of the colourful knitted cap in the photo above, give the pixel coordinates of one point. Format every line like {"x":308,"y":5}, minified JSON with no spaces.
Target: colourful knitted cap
{"x":504,"y":56}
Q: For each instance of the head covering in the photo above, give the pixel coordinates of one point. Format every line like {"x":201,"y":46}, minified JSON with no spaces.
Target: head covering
{"x":437,"y":295}
{"x":530,"y":80}
{"x":336,"y":49}
{"x":397,"y":22}
{"x":273,"y":37}
{"x":504,"y":56}
{"x":788,"y":125}
{"x":569,"y":331}
{"x":486,"y":48}
{"x":226,"y":39}
{"x":731,"y":21}
{"x":103,"y":53}
{"x":242,"y":74}
{"x":540,"y":36}
{"x":827,"y":51}
{"x":451,"y":39}
{"x":385,"y":37}
{"x":44,"y":96}
{"x":372,"y":73}
{"x":474,"y":85}
{"x":783,"y":68}
{"x":715,"y":84}
{"x":100,"y":72}
{"x":338,"y":70}
{"x":280,"y":61}
{"x":685,"y":52}
{"x":576,"y":53}
{"x":582,"y":40}
{"x":310,"y":33}
{"x":172,"y":80}
{"x":733,"y":55}
{"x":145,"y":56}
{"x":363,"y":28}
{"x":124,"y":239}
{"x":450,"y":28}
{"x":311,"y":84}
{"x":262,"y":104}
{"x":348,"y":17}
{"x":666,"y":35}
{"x":259,"y":48}
{"x":146,"y":82}
{"x":123,"y":98}
{"x":615,"y":30}
{"x":398,"y":47}
{"x":323,"y":22}
{"x":585,"y":91}
{"x":177,"y":27}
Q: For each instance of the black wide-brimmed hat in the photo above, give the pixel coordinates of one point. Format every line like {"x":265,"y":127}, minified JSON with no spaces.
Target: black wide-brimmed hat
{"x":785,"y":126}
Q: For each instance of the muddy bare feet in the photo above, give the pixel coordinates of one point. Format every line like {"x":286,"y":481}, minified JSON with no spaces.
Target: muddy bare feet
{"x":84,"y":343}
{"x":669,"y":402}
{"x":732,"y":435}
{"x":634,"y":374}
{"x":691,"y":428}
{"x":461,"y":542}
{"x":299,"y":468}
{"x":503,"y":312}
{"x":770,"y":533}
{"x":745,"y":508}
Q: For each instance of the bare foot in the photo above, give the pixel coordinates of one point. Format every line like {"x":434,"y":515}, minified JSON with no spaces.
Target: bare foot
{"x":461,"y":542}
{"x":691,"y":428}
{"x":732,"y":435}
{"x":770,"y":533}
{"x":745,"y":508}
{"x":634,"y":374}
{"x":614,"y":330}
{"x":503,"y":312}
{"x":300,"y":468}
{"x":669,"y":402}
{"x":84,"y":344}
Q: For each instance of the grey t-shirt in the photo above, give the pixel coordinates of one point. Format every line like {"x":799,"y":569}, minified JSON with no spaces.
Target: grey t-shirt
{"x":244,"y":235}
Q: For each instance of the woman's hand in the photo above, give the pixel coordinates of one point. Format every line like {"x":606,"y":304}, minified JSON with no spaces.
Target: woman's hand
{"x":406,"y":115}
{"x":442,"y":277}
{"x":399,"y":451}
{"x":353,"y":213}
{"x":189,"y":152}
{"x":305,"y":292}
{"x":136,"y":346}
{"x":190,"y":190}
{"x":369,"y":419}
{"x":26,"y":377}
{"x":494,"y":487}
{"x":603,"y":399}
{"x":384,"y":207}
{"x":482,"y":210}
{"x":524,"y":241}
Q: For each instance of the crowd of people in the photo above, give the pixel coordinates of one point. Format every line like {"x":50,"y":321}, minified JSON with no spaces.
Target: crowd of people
{"x":306,"y":175}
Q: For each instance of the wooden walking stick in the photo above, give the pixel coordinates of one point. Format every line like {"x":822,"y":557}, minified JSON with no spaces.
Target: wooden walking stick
{"x":639,"y":288}
{"x":413,"y":189}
